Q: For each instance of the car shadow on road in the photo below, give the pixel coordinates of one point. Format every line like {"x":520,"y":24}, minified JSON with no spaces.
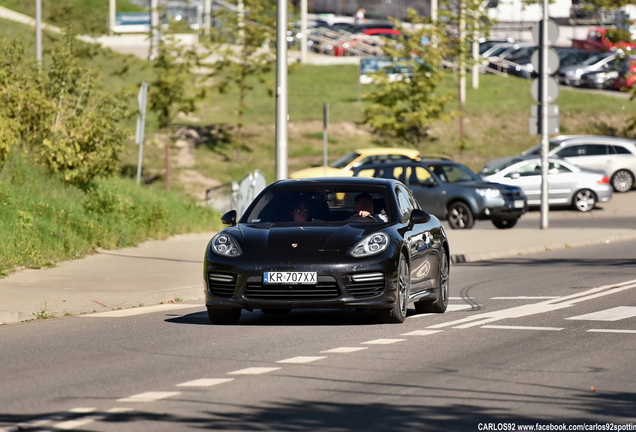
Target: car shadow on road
{"x":297,"y":318}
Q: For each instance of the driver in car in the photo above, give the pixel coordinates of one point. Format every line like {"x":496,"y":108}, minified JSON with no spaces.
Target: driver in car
{"x":363,"y":206}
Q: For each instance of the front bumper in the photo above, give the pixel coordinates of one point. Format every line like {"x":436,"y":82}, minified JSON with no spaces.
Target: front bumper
{"x":342,"y":282}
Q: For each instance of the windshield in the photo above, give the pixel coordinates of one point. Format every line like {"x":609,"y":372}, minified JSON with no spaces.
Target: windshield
{"x":453,"y":173}
{"x":312,"y":204}
{"x":495,"y":168}
{"x":595,"y":59}
{"x":345,"y":160}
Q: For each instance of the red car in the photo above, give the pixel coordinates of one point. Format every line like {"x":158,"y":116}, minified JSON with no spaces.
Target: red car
{"x":626,"y":73}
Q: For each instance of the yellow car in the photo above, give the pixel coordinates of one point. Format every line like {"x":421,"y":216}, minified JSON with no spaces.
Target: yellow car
{"x":343,"y":167}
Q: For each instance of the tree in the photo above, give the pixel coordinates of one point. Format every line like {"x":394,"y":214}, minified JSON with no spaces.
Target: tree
{"x":174,"y":88}
{"x":406,"y":103}
{"x":59,"y":114}
{"x":243,"y":54}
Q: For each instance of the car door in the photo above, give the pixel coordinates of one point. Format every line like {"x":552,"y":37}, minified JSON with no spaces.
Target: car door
{"x":527,"y":176}
{"x":424,"y":263}
{"x":427,"y":189}
{"x":591,"y":156}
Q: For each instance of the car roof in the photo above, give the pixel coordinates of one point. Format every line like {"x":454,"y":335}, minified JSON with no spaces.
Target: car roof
{"x":574,"y":139}
{"x":388,"y":150}
{"x":426,"y":161}
{"x":353,"y":181}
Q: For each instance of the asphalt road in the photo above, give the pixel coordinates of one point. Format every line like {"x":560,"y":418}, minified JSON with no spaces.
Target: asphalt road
{"x":507,"y":352}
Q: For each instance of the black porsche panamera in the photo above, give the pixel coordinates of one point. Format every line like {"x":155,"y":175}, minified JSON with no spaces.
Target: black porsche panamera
{"x":304,"y":244}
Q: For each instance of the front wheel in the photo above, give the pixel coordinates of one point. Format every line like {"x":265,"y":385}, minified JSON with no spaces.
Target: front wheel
{"x":224,"y":316}
{"x":584,"y":200}
{"x":504,"y":223}
{"x":622,"y":181}
{"x":397,"y":314}
{"x":439,"y":305}
{"x":460,"y":216}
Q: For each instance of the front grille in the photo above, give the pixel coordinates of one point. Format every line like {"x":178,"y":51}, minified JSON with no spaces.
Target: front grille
{"x":366,"y":285}
{"x":221,"y":284}
{"x":325,"y":289}
{"x":512,"y":194}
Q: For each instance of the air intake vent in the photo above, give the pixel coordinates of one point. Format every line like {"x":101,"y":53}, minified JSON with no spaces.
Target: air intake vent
{"x":366,"y":285}
{"x":326,"y":288}
{"x":221,"y":285}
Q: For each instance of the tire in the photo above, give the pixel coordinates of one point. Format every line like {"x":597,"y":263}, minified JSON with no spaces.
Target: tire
{"x":439,"y":305}
{"x":504,"y":223}
{"x":276,"y":311}
{"x":584,"y":200}
{"x":397,"y":314}
{"x":622,"y":181}
{"x":460,"y":216}
{"x":224,"y":316}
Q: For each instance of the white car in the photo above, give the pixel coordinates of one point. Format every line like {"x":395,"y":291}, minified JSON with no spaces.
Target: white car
{"x":568,"y":185}
{"x":615,"y":156}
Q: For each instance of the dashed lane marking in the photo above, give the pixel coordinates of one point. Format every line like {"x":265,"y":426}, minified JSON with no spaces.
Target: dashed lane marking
{"x":301,"y":359}
{"x":421,"y":333}
{"x":344,"y":350}
{"x":148,"y":396}
{"x":525,"y":298}
{"x":614,"y":314}
{"x":610,"y":331}
{"x":521,"y":328}
{"x":140,"y":311}
{"x":383,"y":341}
{"x":254,"y":371}
{"x":205,"y":382}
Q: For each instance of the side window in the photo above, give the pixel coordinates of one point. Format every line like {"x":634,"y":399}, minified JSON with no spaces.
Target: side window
{"x":572,"y":151}
{"x":595,"y":149}
{"x":621,"y":150}
{"x":405,"y":206}
{"x":556,"y":168}
{"x":527,"y":170}
{"x":369,"y":172}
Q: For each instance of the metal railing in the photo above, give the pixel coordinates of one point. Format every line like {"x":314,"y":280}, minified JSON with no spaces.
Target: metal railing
{"x":235,"y":195}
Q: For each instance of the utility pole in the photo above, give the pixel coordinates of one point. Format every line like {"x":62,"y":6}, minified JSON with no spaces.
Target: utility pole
{"x":154,"y":29}
{"x":545,"y":144}
{"x":303,"y":31}
{"x":207,"y":18}
{"x":281,"y":90}
{"x":112,"y":12}
{"x":38,"y":30}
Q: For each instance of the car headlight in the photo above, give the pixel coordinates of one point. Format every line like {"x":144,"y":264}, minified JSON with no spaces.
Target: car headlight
{"x":488,"y":192}
{"x":370,"y":245}
{"x":225,"y":245}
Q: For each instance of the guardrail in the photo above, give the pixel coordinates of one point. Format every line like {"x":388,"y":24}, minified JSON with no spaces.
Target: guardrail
{"x":235,"y":195}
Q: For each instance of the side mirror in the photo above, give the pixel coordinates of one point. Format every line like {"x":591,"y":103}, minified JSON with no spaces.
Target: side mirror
{"x":229,"y":218}
{"x":514,"y":176}
{"x":419,"y":216}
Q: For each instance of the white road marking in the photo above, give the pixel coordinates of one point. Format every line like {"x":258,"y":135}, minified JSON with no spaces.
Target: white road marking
{"x":525,"y":298}
{"x":383,"y":341}
{"x":205,"y":382}
{"x":614,"y":314}
{"x":537,"y":308}
{"x":148,"y":396}
{"x":73,"y":424}
{"x":301,"y":359}
{"x":344,"y":350}
{"x":610,"y":331}
{"x":254,"y":371}
{"x":141,"y":310}
{"x":459,"y":298}
{"x":421,"y":333}
{"x":521,"y":328}
{"x":454,"y":308}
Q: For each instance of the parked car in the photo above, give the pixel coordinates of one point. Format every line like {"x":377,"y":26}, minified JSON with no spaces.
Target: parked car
{"x":568,"y":185}
{"x":344,"y":165}
{"x":523,"y":67}
{"x":486,"y":44}
{"x":601,"y":79}
{"x":501,"y":62}
{"x":453,"y":192}
{"x":334,"y":259}
{"x":626,"y":75}
{"x":615,"y":156}
{"x":571,"y":74}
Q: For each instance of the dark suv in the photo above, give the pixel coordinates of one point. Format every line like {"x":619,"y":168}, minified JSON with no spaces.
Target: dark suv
{"x":453,"y":192}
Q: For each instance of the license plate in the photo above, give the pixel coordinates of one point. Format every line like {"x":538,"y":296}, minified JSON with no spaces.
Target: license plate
{"x":518,"y":204}
{"x":290,"y":278}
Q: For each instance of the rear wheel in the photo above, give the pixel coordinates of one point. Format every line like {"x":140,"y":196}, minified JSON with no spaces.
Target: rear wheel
{"x":504,"y":223}
{"x":224,"y":316}
{"x":397,"y":314}
{"x":622,"y":181}
{"x":439,"y":305}
{"x":460,"y":216}
{"x":584,"y":200}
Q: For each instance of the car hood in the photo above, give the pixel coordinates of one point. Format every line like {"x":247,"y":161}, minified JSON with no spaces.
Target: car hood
{"x":264,"y":238}
{"x":320,"y":172}
{"x":485,"y":185}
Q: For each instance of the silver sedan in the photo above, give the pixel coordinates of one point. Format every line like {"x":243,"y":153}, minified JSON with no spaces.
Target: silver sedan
{"x":568,"y":185}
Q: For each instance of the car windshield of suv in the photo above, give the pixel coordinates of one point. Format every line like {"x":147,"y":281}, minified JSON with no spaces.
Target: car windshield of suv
{"x":451,"y":173}
{"x":345,"y":160}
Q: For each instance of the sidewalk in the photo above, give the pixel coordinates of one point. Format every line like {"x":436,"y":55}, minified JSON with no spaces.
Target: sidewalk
{"x":172,"y":270}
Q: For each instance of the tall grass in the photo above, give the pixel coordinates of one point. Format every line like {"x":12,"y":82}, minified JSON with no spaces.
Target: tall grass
{"x":44,"y":221}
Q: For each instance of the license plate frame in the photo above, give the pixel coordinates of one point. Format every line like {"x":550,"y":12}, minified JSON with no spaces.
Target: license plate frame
{"x":518,"y":204}
{"x":290,"y":278}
